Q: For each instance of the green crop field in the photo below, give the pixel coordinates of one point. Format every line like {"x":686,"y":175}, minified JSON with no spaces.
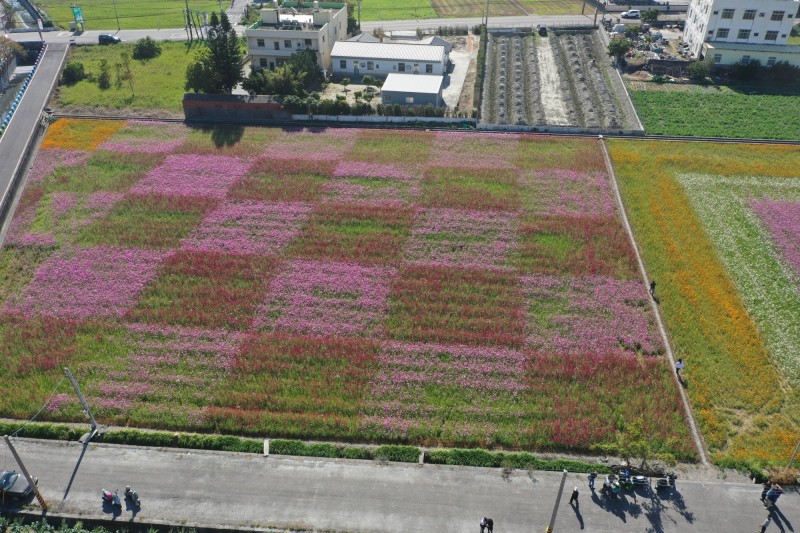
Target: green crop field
{"x":712,"y":112}
{"x":157,"y":83}
{"x":99,"y":14}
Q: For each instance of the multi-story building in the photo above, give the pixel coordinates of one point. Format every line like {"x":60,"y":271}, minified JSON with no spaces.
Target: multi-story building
{"x":293,"y":26}
{"x":739,"y":27}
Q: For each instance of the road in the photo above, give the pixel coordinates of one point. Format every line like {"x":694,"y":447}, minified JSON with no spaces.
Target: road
{"x":250,"y":491}
{"x":24,"y":121}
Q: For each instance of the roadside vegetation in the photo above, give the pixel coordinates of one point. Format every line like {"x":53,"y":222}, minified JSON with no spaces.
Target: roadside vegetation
{"x":707,"y":241}
{"x":158,"y":83}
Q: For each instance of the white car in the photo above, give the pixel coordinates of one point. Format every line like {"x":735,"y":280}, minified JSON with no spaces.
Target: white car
{"x":632,"y":14}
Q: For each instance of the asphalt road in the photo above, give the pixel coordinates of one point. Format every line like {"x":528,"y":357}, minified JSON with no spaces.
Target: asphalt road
{"x":250,"y":491}
{"x":24,"y":121}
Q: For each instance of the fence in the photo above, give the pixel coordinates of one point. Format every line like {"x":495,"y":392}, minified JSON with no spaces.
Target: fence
{"x":373,"y":119}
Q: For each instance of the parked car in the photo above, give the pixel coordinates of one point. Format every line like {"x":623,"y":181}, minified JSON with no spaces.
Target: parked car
{"x":105,"y":38}
{"x":542,"y":30}
{"x":631,"y":14}
{"x":13,"y":485}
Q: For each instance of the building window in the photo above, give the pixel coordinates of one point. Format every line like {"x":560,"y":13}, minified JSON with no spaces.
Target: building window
{"x":308,"y":43}
{"x":743,"y":34}
{"x":342,"y":63}
{"x":409,"y":99}
{"x":370,"y":65}
{"x":401,"y":67}
{"x":277,"y":45}
{"x":287,"y":43}
{"x":777,"y":15}
{"x":771,"y":61}
{"x":260,"y":43}
{"x":722,"y":33}
{"x":755,"y":34}
{"x":771,"y":36}
{"x":387,"y":97}
{"x":727,"y":13}
{"x":717,"y":58}
{"x":428,"y":69}
{"x":745,"y":60}
{"x":749,"y":14}
{"x":262,"y":62}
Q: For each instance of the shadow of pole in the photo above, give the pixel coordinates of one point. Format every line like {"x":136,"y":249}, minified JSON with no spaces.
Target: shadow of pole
{"x":75,"y":470}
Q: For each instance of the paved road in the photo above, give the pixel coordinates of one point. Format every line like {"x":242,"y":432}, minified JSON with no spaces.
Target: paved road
{"x":22,"y":125}
{"x":250,"y":491}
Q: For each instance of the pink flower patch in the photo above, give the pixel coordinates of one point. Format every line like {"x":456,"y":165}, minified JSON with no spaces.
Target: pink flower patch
{"x":474,"y":150}
{"x":371,"y":170}
{"x":326,"y":298}
{"x":249,"y":228}
{"x":456,"y":238}
{"x":51,"y":158}
{"x":782,"y":219}
{"x":314,"y":144}
{"x":569,"y":193}
{"x":91,"y":282}
{"x":193,"y":175}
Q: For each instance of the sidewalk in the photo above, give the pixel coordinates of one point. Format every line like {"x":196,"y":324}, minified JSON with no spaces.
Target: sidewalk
{"x":250,"y":491}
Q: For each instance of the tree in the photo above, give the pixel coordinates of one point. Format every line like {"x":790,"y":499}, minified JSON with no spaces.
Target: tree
{"x":746,"y":71}
{"x":220,"y":61}
{"x":698,"y":71}
{"x":11,"y":19}
{"x":104,"y":79}
{"x":199,"y":76}
{"x":73,"y":73}
{"x":305,"y":63}
{"x":146,"y":48}
{"x":9,"y":49}
{"x":344,"y":83}
{"x":650,"y":16}
{"x":617,"y":49}
{"x":352,"y":23}
{"x":124,"y":72}
{"x":286,"y":80}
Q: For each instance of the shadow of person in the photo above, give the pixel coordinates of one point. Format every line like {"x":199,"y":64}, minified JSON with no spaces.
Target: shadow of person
{"x":780,"y":519}
{"x":578,"y":514}
{"x":134,"y":509}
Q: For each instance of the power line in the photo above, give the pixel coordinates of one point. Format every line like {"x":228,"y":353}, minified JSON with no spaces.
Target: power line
{"x":40,"y":410}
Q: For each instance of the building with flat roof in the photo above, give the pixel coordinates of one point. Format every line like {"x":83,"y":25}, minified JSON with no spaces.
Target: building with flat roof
{"x":740,"y":23}
{"x":410,"y":89}
{"x":381,"y":59}
{"x":294,"y":26}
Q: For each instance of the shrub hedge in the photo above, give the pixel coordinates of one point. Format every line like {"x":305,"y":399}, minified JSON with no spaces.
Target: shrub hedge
{"x":42,"y":431}
{"x":522,"y":460}
{"x":399,"y":454}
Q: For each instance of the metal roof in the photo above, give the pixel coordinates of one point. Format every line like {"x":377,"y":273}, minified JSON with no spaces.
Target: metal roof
{"x":412,"y":83}
{"x":428,"y":41}
{"x":747,"y":47}
{"x":389,"y":52}
{"x":363,"y":38}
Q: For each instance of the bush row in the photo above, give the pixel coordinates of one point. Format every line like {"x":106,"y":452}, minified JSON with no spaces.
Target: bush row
{"x":481,"y":62}
{"x":228,"y":443}
{"x":520,"y":460}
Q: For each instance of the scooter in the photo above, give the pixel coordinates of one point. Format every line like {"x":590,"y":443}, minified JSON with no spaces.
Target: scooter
{"x":111,"y":498}
{"x":666,"y":482}
{"x":132,"y":496}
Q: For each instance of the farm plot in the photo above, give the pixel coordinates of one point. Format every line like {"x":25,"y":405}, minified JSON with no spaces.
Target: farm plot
{"x":481,"y":294}
{"x":563,"y":80}
{"x":722,"y":241}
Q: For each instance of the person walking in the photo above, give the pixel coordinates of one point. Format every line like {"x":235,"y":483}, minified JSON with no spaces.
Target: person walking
{"x":574,"y":497}
{"x":489,"y":525}
{"x":653,"y":289}
{"x":592,"y":477}
{"x":678,"y":368}
{"x":484,"y":523}
{"x":772,"y":496}
{"x":764,"y":489}
{"x":765,"y":524}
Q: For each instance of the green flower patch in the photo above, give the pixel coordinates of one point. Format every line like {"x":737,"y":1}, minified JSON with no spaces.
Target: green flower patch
{"x":147,"y":221}
{"x":283,"y":180}
{"x":104,"y":171}
{"x":469,"y":188}
{"x":392,"y":147}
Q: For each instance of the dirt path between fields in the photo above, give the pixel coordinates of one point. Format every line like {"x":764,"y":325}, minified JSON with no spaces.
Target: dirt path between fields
{"x":555,"y":111}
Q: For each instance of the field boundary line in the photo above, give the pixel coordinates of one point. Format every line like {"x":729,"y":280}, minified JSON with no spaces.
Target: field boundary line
{"x":698,"y":441}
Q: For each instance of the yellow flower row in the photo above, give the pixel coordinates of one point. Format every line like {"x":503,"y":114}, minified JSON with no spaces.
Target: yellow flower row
{"x":745,"y":408}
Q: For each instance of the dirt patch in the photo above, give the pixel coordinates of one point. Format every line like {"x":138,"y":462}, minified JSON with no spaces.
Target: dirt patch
{"x":459,"y":8}
{"x":123,"y":112}
{"x":565,"y":79}
{"x":471,"y":44}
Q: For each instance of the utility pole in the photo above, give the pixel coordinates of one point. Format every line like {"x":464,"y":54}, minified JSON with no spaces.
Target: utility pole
{"x":83,"y":403}
{"x":583,"y":8}
{"x":189,"y":21}
{"x":487,"y":15}
{"x":116,"y":14}
{"x":26,"y":474}
{"x":359,"y":13}
{"x":794,"y":455}
{"x":558,"y":501}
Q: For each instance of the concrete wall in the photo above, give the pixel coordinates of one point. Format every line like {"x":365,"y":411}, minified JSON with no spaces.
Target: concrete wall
{"x":7,"y":71}
{"x":730,"y":57}
{"x":383,"y":67}
{"x":232,"y":108}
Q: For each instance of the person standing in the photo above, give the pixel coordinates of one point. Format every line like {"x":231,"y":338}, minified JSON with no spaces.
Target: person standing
{"x":484,"y":523}
{"x":678,"y":368}
{"x":653,"y":289}
{"x":592,"y":477}
{"x":574,"y":497}
{"x":489,"y":525}
{"x":766,"y":523}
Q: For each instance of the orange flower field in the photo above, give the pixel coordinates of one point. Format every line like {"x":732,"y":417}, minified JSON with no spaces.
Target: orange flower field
{"x":743,"y":394}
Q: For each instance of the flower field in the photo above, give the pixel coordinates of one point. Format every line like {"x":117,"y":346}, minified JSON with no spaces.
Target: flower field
{"x":722,"y":241}
{"x":443,"y":289}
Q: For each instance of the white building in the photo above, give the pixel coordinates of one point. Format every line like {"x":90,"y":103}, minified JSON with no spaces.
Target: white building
{"x":296,"y":26}
{"x":738,"y":22}
{"x":381,"y":59}
{"x":408,"y":89}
